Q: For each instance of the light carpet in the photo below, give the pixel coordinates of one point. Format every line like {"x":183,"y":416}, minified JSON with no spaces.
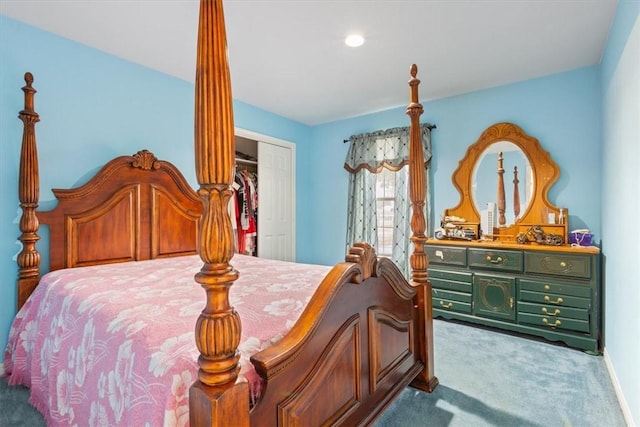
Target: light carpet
{"x":492,"y":378}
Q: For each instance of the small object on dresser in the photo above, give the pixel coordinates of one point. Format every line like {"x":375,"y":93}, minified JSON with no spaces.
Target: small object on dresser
{"x":562,"y":216}
{"x":581,"y":237}
{"x":551,"y":218}
{"x":488,"y":221}
{"x":536,"y":234}
{"x":449,"y":230}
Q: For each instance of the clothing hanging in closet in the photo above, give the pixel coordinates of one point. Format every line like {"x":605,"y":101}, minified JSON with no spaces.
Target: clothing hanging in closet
{"x":245,"y":215}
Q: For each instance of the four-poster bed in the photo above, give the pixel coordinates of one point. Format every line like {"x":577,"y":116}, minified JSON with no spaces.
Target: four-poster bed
{"x":365,"y":333}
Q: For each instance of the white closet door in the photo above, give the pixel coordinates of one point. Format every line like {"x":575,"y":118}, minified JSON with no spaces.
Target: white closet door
{"x":275,"y":202}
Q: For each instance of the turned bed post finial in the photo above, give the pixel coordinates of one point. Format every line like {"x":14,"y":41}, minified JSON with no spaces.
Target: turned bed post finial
{"x":417,"y":192}
{"x":418,"y":260}
{"x":28,"y":193}
{"x":218,"y":327}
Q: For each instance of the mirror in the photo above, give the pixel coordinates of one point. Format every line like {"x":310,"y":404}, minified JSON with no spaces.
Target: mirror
{"x":486,"y":176}
{"x":513,"y":190}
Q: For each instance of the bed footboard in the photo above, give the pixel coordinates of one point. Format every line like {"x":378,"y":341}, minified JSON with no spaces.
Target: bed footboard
{"x":355,"y":347}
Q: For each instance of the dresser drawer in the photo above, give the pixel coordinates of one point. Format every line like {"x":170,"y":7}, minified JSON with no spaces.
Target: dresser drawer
{"x":550,"y":286}
{"x":499,"y":260}
{"x":451,"y":295}
{"x":554,"y":299}
{"x":559,"y":264}
{"x":448,"y":305}
{"x":554,"y":322}
{"x":450,"y":285}
{"x":446,"y":255}
{"x":553,"y":311}
{"x":460,"y":276}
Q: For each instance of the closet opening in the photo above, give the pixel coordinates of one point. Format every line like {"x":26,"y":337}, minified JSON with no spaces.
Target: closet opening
{"x":265,"y":165}
{"x":243,"y":206}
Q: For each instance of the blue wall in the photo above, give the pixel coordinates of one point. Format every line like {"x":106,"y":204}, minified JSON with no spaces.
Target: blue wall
{"x":621,"y":204}
{"x":93,"y":107}
{"x":563,"y":111}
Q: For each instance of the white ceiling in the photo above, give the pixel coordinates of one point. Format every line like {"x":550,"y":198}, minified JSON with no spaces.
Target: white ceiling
{"x":288,"y":56}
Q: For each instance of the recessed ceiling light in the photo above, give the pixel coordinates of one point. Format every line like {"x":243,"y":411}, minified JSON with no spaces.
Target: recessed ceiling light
{"x":354,"y":40}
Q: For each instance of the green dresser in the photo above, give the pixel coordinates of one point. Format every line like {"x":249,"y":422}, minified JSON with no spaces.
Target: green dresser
{"x":549,"y":292}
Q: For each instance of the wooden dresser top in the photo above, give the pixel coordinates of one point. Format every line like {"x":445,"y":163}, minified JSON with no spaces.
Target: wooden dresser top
{"x":482,"y":244}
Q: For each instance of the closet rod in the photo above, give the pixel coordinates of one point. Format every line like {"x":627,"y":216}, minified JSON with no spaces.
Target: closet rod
{"x":246,"y":162}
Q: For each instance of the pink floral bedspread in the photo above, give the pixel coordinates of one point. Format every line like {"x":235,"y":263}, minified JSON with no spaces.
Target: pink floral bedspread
{"x":114,"y":344}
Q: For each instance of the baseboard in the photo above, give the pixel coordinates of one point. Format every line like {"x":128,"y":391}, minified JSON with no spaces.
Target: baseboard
{"x":626,"y":411}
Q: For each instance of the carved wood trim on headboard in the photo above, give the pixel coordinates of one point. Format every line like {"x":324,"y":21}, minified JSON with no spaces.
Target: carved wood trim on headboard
{"x":135,"y":208}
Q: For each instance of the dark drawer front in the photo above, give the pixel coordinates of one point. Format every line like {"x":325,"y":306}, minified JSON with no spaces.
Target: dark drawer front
{"x":446,"y":255}
{"x":558,"y":264}
{"x":450,"y":285}
{"x":451,"y":295}
{"x":498,"y":260}
{"x":555,"y":300}
{"x":553,"y":311}
{"x":555,"y":288}
{"x":450,"y":275}
{"x":447,"y":305}
{"x":554,"y":322}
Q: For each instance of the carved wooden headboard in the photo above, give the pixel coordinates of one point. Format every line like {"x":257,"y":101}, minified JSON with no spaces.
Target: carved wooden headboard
{"x":135,"y":208}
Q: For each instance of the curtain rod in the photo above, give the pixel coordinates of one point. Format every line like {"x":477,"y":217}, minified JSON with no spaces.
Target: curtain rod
{"x":431,"y":127}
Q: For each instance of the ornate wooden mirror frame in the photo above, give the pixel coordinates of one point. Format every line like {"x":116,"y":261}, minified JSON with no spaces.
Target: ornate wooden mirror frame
{"x":545,"y":172}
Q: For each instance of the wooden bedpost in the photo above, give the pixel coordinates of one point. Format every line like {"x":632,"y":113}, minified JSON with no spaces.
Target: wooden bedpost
{"x":419,"y":261}
{"x":215,"y":398}
{"x":29,"y":193}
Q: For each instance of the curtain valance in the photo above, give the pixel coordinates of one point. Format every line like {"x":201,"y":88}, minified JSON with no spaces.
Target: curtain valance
{"x":385,"y":148}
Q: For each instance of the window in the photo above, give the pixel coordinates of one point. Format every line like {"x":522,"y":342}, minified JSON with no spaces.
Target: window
{"x":379,"y":208}
{"x":385,"y":208}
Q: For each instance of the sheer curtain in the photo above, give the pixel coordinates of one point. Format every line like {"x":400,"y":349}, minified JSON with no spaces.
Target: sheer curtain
{"x":368,"y":154}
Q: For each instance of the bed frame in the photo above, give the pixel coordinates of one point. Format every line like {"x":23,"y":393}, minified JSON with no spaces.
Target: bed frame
{"x":366,"y":333}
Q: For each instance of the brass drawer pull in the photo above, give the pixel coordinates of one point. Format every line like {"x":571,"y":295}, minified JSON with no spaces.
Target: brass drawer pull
{"x":554,"y":324}
{"x":555,"y":312}
{"x":494,"y":261}
{"x":558,"y":301}
{"x":563,"y":264}
{"x":547,"y":287}
{"x":446,"y":305}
